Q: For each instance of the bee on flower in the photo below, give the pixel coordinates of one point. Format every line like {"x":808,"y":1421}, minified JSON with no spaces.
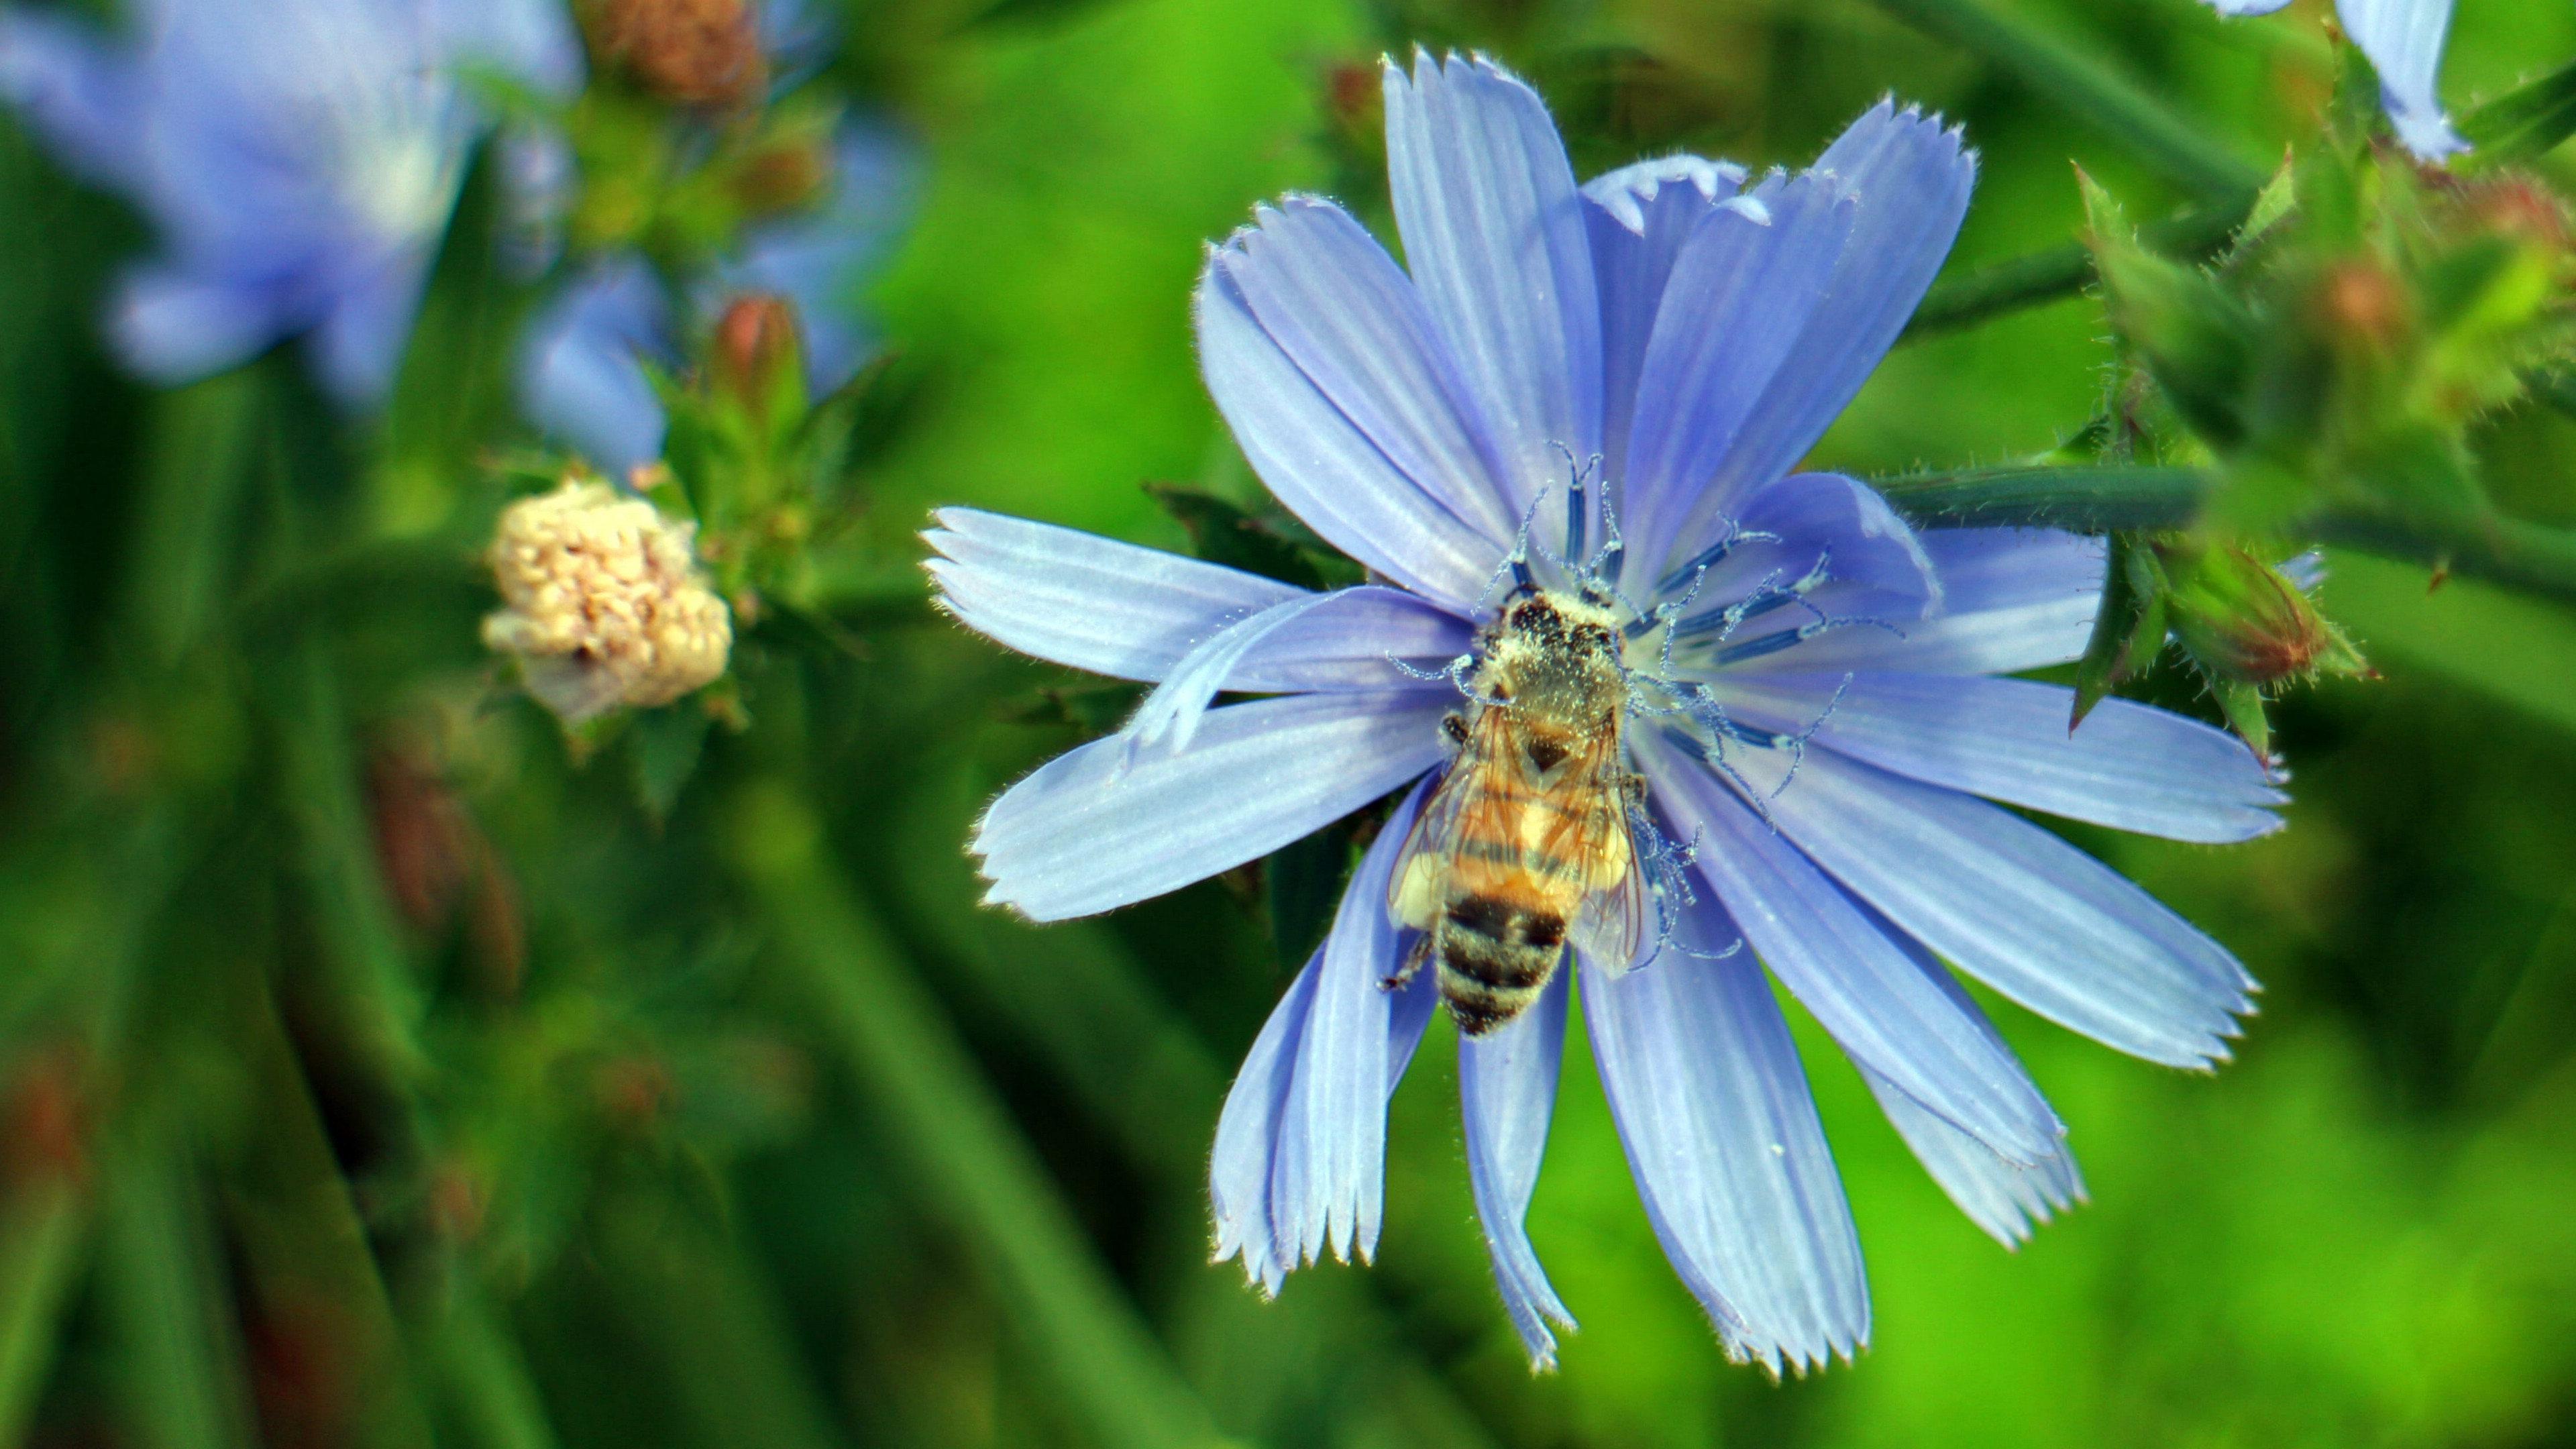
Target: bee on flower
{"x":1657,"y":710}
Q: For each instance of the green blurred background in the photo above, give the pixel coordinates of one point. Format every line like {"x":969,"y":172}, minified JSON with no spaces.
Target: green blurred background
{"x":372,"y":1071}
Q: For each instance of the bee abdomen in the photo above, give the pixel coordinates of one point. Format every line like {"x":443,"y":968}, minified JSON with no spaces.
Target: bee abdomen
{"x":1495,"y":957}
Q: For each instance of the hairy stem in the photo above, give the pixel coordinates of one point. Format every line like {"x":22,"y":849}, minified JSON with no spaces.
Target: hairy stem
{"x":2530,"y":556}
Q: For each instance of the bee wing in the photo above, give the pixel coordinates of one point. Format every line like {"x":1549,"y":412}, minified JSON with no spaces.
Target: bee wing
{"x":1464,"y":807}
{"x":1596,"y":839}
{"x":1612,"y":927}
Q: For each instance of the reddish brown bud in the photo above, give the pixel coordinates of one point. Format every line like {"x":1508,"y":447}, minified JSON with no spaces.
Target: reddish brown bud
{"x":2360,"y":304}
{"x":2246,"y":623}
{"x":459,"y":1202}
{"x":754,"y":357}
{"x":782,"y":177}
{"x":1355,"y":97}
{"x":634,"y":1091}
{"x":45,"y":1117}
{"x":697,"y":52}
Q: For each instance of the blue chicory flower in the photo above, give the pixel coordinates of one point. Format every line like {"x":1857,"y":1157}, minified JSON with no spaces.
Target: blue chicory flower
{"x":299,"y":159}
{"x":2403,"y":39}
{"x":582,"y":364}
{"x":1809,"y":702}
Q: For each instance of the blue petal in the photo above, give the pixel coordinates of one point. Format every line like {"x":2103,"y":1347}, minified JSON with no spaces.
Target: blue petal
{"x":1506,"y":1094}
{"x":358,"y":345}
{"x":581,"y":364}
{"x":1861,"y":985}
{"x":171,"y":326}
{"x":1494,"y":233}
{"x":1248,"y":1134}
{"x":76,"y":93}
{"x":1911,"y":180}
{"x":2001,"y":1197}
{"x":1328,"y":1188}
{"x":1875,"y":564}
{"x":1723,"y":1141}
{"x":301,"y":155}
{"x":1350,"y":319}
{"x":1321,"y":466}
{"x":1740,"y":294}
{"x":2020,"y":909}
{"x":2130,"y":767}
{"x":2403,"y":39}
{"x":1101,"y":826}
{"x":1638,"y":218}
{"x":1255,"y":655}
{"x":1136,"y":613}
{"x":531,"y":40}
{"x":2012,"y":600}
{"x":2004,"y":1200}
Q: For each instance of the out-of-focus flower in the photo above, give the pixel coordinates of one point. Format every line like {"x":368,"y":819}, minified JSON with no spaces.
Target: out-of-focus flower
{"x":698,"y":52}
{"x":583,"y":365}
{"x":1593,"y":399}
{"x":299,"y":159}
{"x":607,"y":606}
{"x":2403,"y":39}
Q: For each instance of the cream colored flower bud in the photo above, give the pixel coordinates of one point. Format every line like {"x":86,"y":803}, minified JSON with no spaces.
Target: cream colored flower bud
{"x":606,"y":603}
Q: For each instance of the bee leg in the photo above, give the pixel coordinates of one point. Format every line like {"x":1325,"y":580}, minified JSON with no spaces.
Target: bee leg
{"x":1453,"y":728}
{"x":1412,"y":966}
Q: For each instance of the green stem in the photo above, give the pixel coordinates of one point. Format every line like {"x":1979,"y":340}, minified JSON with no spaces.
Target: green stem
{"x":484,"y":1377}
{"x":727,"y":1356}
{"x":181,"y":1378}
{"x":2061,"y":271}
{"x":356,"y":920}
{"x":44,"y":1234}
{"x":958,"y":1139}
{"x":2530,"y":556}
{"x":310,"y":1268}
{"x":2114,"y":104}
{"x":2084,"y":500}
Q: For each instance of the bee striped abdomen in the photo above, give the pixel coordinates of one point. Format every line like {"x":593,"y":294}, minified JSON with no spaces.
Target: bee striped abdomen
{"x":1496,"y":955}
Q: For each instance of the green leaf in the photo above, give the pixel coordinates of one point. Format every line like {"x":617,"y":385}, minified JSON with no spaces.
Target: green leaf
{"x":2522,"y":123}
{"x":668,"y":742}
{"x":2242,"y":704}
{"x":1304,"y":884}
{"x":1222,"y":533}
{"x":964,"y":1155}
{"x":2106,"y":652}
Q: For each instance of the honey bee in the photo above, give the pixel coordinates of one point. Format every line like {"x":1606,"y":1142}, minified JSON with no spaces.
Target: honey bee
{"x":1526,"y":843}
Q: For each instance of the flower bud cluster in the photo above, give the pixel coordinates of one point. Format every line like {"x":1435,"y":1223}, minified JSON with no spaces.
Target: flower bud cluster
{"x":607,"y":606}
{"x":697,"y":52}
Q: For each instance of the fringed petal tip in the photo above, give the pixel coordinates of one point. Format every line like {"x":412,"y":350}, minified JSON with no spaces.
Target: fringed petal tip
{"x":1782,"y":1362}
{"x":2031,"y":1199}
{"x":2426,"y":134}
{"x":1626,"y":192}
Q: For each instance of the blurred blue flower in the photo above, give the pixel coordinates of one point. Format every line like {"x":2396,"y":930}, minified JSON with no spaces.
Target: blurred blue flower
{"x":1808,"y":702}
{"x":299,"y":159}
{"x":2403,"y":39}
{"x":582,"y":364}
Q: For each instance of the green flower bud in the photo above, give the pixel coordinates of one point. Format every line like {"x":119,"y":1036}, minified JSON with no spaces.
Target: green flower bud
{"x":2244,"y":622}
